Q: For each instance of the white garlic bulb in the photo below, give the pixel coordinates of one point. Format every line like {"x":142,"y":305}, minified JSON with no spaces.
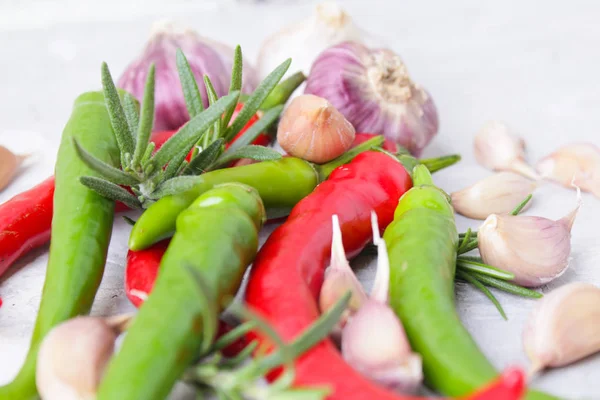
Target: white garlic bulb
{"x":497,"y":194}
{"x":497,"y":149}
{"x":304,"y":40}
{"x":564,"y":326}
{"x":535,"y":249}
{"x":574,"y":164}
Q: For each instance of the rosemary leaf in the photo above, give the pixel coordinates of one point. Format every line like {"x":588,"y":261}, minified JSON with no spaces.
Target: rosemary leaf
{"x":212,"y":98}
{"x":254,"y":102}
{"x":521,"y":205}
{"x":203,"y":160}
{"x":116,"y":113}
{"x":191,"y":94}
{"x":436,"y":164}
{"x":110,"y":191}
{"x":130,"y":221}
{"x":176,"y":185}
{"x":147,"y":154}
{"x":130,"y":106}
{"x":146,"y":119}
{"x":259,"y":153}
{"x":484,"y":269}
{"x":472,"y":245}
{"x":111,"y":173}
{"x":236,"y":82}
{"x":256,"y":129}
{"x":507,"y":286}
{"x":282,"y":92}
{"x":465,"y":241}
{"x":189,"y":134}
{"x":478,"y":285}
{"x":174,"y":165}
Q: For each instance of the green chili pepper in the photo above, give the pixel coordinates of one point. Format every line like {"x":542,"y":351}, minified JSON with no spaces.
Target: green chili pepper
{"x":81,"y":229}
{"x":422,"y":245}
{"x":281,"y":184}
{"x":216,"y":238}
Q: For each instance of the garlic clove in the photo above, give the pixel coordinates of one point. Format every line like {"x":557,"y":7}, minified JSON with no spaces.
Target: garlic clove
{"x":312,"y":129}
{"x":535,"y":249}
{"x":564,"y":326}
{"x":497,"y":149}
{"x":72,"y":358}
{"x":304,"y":40}
{"x":339,"y":278}
{"x":577,"y":164}
{"x":374,"y":343}
{"x":9,"y":165}
{"x":497,"y":194}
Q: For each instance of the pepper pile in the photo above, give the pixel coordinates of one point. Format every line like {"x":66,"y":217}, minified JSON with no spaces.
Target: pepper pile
{"x":204,"y":192}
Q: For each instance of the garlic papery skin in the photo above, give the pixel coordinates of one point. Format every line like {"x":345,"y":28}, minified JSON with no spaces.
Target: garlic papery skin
{"x":9,"y":165}
{"x":312,"y":129}
{"x":73,"y":356}
{"x":304,"y":40}
{"x":577,"y":163}
{"x":205,"y":56}
{"x":373,"y":90}
{"x":535,"y":249}
{"x":564,"y":326}
{"x":374,"y":341}
{"x":497,"y":194}
{"x":339,"y":278}
{"x":497,"y":149}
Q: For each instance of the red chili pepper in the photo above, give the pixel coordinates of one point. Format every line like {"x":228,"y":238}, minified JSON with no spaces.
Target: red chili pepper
{"x":25,"y":222}
{"x":388,"y":145}
{"x":25,"y":219}
{"x":287,"y":274}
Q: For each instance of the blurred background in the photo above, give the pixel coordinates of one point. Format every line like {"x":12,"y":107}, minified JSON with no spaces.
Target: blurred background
{"x":533,"y":65}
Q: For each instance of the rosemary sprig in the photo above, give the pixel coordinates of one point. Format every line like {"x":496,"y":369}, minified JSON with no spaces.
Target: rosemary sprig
{"x":148,"y":173}
{"x":237,"y":378}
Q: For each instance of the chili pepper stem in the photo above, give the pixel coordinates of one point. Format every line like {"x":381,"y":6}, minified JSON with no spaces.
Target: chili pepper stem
{"x":324,"y":170}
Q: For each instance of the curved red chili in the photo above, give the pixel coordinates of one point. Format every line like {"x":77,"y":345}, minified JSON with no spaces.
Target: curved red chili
{"x":287,"y":274}
{"x":25,"y":222}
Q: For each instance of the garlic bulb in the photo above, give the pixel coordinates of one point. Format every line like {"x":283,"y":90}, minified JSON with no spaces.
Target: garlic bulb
{"x":9,"y":165}
{"x":312,"y":129}
{"x":339,"y":278}
{"x":206,"y":57}
{"x":373,"y":90}
{"x":305,"y":40}
{"x":535,"y":249}
{"x":564,"y":326}
{"x":577,"y":164}
{"x":497,"y":194}
{"x":497,"y":149}
{"x":73,"y":356}
{"x":374,"y":341}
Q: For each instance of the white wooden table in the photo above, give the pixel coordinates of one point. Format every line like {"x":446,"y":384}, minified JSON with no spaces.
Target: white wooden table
{"x":534,"y":66}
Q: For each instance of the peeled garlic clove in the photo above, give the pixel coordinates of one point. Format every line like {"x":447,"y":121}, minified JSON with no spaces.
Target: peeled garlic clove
{"x":339,"y":278}
{"x":577,"y":164}
{"x":9,"y":164}
{"x":497,"y":149}
{"x":535,"y":249}
{"x":312,"y":129}
{"x":496,"y":194}
{"x":73,"y":356}
{"x":564,"y":326}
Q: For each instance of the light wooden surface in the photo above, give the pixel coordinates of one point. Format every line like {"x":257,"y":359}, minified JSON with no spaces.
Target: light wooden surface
{"x":532,"y":64}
